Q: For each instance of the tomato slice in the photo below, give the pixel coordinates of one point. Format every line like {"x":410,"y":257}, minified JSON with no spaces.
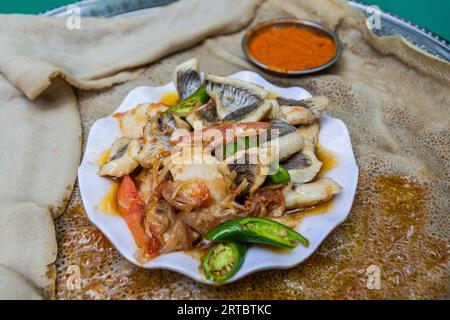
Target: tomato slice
{"x":131,"y":207}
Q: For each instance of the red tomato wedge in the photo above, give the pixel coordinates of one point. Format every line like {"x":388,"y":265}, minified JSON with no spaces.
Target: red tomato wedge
{"x":131,"y":207}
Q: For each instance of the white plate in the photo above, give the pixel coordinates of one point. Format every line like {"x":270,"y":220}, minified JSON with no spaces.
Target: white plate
{"x":334,"y":137}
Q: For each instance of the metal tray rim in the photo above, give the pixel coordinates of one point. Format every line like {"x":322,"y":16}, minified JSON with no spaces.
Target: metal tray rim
{"x":393,"y":24}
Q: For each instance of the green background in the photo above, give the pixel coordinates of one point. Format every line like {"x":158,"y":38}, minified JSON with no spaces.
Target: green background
{"x":431,"y":14}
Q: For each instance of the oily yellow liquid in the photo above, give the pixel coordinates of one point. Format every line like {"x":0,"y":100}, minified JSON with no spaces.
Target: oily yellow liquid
{"x":103,"y":157}
{"x":170,"y":98}
{"x":272,"y":95}
{"x":293,"y":220}
{"x":108,"y":203}
{"x":329,"y":159}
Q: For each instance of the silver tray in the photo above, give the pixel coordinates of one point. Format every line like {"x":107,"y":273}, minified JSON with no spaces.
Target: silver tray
{"x":390,"y":24}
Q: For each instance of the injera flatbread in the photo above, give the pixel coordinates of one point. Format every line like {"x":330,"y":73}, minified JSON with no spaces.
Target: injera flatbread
{"x":41,"y":139}
{"x":27,"y":235}
{"x":36,"y":49}
{"x":41,"y":145}
{"x":395,"y":101}
{"x":15,"y":287}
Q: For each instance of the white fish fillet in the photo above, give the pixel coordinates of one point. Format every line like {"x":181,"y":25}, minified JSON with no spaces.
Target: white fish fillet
{"x":309,"y":194}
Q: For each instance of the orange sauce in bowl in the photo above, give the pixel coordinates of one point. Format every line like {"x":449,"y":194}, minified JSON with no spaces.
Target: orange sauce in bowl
{"x":291,"y":48}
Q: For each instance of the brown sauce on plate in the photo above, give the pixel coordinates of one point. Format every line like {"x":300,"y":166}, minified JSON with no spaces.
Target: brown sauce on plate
{"x":109,"y":201}
{"x":329,"y":159}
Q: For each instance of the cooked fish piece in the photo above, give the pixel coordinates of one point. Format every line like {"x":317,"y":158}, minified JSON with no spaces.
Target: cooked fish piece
{"x":283,"y":128}
{"x":250,"y":114}
{"x":237,"y":100}
{"x":250,"y":173}
{"x":304,"y":165}
{"x":153,"y":151}
{"x":193,"y":164}
{"x":156,"y":136}
{"x":206,"y":114}
{"x":310,"y":132}
{"x":275,"y":111}
{"x":296,"y":115}
{"x":168,"y":123}
{"x":301,"y":111}
{"x":121,"y":160}
{"x":187,"y":78}
{"x":132,"y":122}
{"x":252,"y":166}
{"x":289,"y":144}
{"x":288,"y":141}
{"x":316,"y":105}
{"x":323,"y":189}
{"x":152,"y":129}
{"x":164,"y":128}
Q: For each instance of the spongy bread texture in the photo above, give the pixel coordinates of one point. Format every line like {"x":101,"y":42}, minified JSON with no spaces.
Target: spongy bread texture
{"x":395,"y":102}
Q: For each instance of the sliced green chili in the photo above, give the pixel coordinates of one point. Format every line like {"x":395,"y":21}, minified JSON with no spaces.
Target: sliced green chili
{"x":223,"y":260}
{"x":182,"y":108}
{"x":241,"y":144}
{"x":281,"y":176}
{"x":257,"y":230}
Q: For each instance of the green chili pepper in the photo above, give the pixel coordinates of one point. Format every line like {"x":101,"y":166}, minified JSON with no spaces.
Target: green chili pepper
{"x":182,"y":108}
{"x":223,"y":260}
{"x":231,"y":148}
{"x":242,"y":144}
{"x":281,"y":176}
{"x":257,"y":230}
